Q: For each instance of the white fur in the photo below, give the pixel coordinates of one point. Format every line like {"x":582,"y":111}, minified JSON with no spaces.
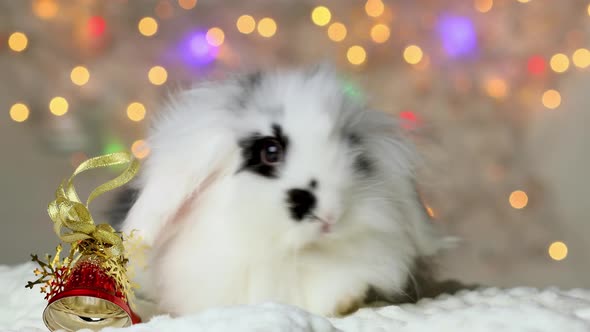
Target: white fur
{"x":233,"y":241}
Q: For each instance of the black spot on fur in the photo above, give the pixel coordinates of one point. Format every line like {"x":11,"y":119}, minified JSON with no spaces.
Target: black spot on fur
{"x":301,"y":203}
{"x":120,"y":206}
{"x":249,"y":83}
{"x":363,"y":165}
{"x":253,"y":79}
{"x":353,"y":139}
{"x":280,"y":136}
{"x":313,"y":184}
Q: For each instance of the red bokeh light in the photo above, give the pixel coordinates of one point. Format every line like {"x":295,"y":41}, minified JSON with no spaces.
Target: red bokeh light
{"x":97,"y":26}
{"x":536,"y":65}
{"x":409,"y":119}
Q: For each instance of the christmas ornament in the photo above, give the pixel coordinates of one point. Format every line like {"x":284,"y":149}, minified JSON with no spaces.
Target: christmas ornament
{"x":89,"y":288}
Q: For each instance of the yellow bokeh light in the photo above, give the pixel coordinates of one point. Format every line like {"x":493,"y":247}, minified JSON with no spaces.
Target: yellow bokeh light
{"x":496,"y":87}
{"x":518,"y":199}
{"x":581,"y":58}
{"x":356,"y":55}
{"x":215,"y":36}
{"x":551,"y":99}
{"x":321,"y":15}
{"x":380,"y":33}
{"x":524,"y":1}
{"x":187,"y":4}
{"x":337,"y":31}
{"x":430,"y":211}
{"x":246,"y":24}
{"x":374,"y":8}
{"x":80,"y":75}
{"x":413,"y":54}
{"x":45,"y":9}
{"x":136,"y":111}
{"x":558,"y":250}
{"x":58,"y":106}
{"x":158,"y":75}
{"x":148,"y":26}
{"x":559,"y":62}
{"x":18,"y":41}
{"x":483,"y":6}
{"x":267,"y":27}
{"x":19,"y":112}
{"x":140,"y":149}
{"x":588,"y":10}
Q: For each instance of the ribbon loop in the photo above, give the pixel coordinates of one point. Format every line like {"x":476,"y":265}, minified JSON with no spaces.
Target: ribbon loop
{"x":68,"y":212}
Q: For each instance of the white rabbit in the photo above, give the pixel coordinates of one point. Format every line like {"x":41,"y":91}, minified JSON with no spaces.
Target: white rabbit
{"x":277,"y":187}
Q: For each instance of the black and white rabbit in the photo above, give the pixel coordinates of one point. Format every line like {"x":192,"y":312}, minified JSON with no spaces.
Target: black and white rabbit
{"x":276,"y":186}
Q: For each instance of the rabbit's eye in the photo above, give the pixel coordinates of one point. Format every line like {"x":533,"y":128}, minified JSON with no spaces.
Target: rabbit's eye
{"x":263,"y":155}
{"x":271,"y":152}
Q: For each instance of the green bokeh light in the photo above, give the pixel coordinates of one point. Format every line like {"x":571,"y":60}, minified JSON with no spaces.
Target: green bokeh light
{"x":352,"y":90}
{"x":113,"y":146}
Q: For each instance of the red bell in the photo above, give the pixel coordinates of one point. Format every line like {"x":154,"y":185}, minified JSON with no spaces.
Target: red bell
{"x":89,"y":298}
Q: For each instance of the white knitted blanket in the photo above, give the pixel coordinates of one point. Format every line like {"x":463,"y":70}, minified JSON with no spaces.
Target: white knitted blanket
{"x":490,"y":309}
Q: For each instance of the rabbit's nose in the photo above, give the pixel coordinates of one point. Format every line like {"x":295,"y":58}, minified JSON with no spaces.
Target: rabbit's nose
{"x":301,"y":203}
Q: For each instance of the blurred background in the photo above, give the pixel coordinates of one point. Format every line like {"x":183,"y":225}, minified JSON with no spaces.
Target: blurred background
{"x":493,"y":92}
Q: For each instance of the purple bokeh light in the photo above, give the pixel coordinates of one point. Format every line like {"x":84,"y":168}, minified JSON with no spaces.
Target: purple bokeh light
{"x":457,"y":35}
{"x":196,"y":51}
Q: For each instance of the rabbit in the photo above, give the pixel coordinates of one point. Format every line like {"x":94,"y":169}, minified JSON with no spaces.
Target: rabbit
{"x":276,"y":186}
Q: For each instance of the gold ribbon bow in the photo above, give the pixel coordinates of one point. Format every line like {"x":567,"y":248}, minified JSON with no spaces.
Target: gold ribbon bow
{"x":67,"y":211}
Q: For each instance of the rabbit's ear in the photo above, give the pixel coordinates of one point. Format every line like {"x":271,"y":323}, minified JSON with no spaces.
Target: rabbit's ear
{"x":174,"y":175}
{"x":393,"y":151}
